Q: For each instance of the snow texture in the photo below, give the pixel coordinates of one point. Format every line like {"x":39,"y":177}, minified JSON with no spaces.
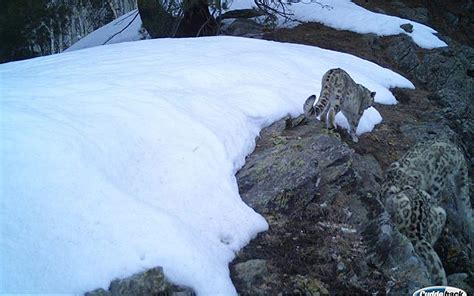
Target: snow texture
{"x":123,"y":157}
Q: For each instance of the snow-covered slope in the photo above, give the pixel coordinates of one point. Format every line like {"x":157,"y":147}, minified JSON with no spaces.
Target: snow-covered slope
{"x":339,"y":14}
{"x":119,"y":158}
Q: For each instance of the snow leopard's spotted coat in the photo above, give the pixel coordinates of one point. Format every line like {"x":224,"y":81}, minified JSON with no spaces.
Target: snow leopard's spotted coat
{"x":339,"y":92}
{"x":411,"y":194}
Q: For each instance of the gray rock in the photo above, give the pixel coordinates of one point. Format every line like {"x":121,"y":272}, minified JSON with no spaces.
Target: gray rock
{"x":452,"y":19}
{"x":403,"y":52}
{"x":398,"y":4}
{"x":428,"y":130}
{"x":458,"y":280}
{"x":306,"y":168}
{"x":250,"y":271}
{"x":407,"y":27}
{"x":445,"y":72}
{"x":251,"y":277}
{"x":243,"y":27}
{"x":287,"y":173}
{"x":419,"y":14}
{"x":98,"y":292}
{"x":150,"y":282}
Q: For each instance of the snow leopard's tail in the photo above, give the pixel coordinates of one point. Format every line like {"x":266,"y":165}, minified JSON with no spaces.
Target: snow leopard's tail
{"x":311,"y":110}
{"x":464,"y":205}
{"x":308,"y":107}
{"x":432,"y":261}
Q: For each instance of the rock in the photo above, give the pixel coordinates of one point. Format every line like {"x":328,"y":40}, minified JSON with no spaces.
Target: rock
{"x":241,"y":14}
{"x":337,"y":195}
{"x":445,"y":72}
{"x":428,"y":130}
{"x":243,"y":27}
{"x":407,"y":27}
{"x":459,"y":280}
{"x":398,"y":4}
{"x":98,"y":292}
{"x":250,"y":271}
{"x":451,"y":19}
{"x":303,"y":285}
{"x":419,"y":14}
{"x":251,"y":277}
{"x":403,"y":52}
{"x":150,"y":282}
{"x":286,"y":175}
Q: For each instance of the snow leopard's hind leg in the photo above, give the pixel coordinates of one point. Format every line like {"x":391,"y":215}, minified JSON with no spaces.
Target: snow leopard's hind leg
{"x":333,"y":109}
{"x":460,"y":185}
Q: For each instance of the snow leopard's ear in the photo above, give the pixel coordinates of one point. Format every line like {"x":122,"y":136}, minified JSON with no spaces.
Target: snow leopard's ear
{"x":372,"y":94}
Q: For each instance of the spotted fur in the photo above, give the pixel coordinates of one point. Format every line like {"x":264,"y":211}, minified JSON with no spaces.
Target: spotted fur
{"x":339,"y":92}
{"x":411,"y":194}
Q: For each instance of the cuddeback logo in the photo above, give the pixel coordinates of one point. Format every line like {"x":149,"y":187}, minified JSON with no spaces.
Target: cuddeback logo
{"x":440,"y":291}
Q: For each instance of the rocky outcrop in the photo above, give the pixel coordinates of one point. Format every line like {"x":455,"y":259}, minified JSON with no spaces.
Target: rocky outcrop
{"x":447,"y":74}
{"x":287,"y":170}
{"x":327,"y":224}
{"x":440,"y":106}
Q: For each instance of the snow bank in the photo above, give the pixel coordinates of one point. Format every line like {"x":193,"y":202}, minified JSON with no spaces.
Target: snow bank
{"x":120,"y":158}
{"x":346,"y":15}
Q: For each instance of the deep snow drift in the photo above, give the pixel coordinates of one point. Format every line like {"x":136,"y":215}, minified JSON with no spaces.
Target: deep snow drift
{"x":120,"y":158}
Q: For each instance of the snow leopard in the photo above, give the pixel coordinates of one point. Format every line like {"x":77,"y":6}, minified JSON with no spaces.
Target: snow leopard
{"x":411,"y":195}
{"x":339,"y":92}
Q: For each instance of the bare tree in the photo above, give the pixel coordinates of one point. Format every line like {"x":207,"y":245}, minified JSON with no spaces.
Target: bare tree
{"x":189,"y":18}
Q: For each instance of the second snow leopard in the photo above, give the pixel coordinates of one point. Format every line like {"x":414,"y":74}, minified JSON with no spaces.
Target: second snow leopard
{"x":339,"y":92}
{"x":411,"y":195}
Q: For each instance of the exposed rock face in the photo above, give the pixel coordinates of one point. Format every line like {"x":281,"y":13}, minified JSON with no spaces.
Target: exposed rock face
{"x":285,"y":172}
{"x":326,"y":224}
{"x":446,"y":72}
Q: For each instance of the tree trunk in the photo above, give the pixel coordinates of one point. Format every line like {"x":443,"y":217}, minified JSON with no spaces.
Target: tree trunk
{"x":194,"y":19}
{"x":197,"y":20}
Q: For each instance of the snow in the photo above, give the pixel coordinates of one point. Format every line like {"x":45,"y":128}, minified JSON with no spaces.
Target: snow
{"x":338,"y":14}
{"x":346,"y":15}
{"x":123,"y":157}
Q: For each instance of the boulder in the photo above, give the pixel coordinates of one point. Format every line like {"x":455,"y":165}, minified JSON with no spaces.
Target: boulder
{"x":150,"y":282}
